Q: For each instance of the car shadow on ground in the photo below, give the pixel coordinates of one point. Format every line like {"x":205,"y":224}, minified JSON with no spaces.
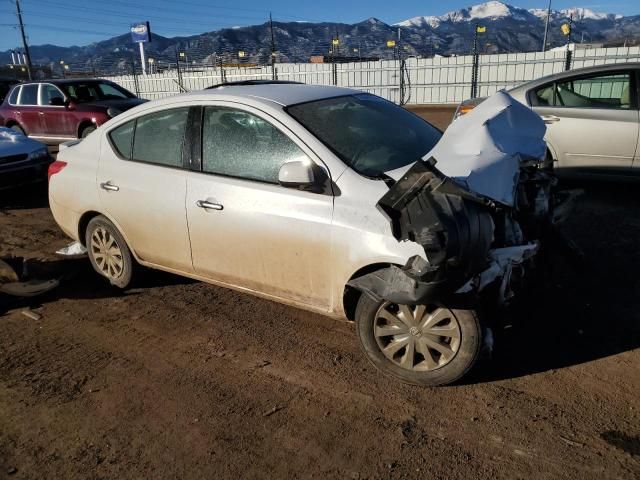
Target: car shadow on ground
{"x":580,"y":315}
{"x":26,"y":197}
{"x":79,"y":281}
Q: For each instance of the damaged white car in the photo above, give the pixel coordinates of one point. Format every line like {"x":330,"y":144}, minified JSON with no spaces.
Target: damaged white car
{"x":329,"y":199}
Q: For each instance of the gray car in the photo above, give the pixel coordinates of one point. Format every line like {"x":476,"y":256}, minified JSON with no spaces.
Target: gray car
{"x":591,"y":115}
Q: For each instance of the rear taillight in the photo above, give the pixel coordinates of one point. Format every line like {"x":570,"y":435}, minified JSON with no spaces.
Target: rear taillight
{"x":56,"y":167}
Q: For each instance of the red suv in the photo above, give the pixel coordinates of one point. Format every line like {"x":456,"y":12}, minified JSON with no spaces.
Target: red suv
{"x":55,"y":111}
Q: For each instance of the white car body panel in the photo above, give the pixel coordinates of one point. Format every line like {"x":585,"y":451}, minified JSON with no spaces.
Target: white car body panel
{"x":299,"y":248}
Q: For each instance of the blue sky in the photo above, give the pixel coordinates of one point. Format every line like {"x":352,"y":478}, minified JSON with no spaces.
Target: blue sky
{"x":67,"y":22}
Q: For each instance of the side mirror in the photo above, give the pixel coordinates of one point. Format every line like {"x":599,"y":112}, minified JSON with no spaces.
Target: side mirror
{"x":57,"y":102}
{"x":297,"y":174}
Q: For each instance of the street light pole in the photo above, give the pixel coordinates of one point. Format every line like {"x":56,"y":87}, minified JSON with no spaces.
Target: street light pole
{"x":24,"y":39}
{"x":546,"y":28}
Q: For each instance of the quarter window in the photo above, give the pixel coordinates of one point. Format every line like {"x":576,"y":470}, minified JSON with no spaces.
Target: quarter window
{"x":29,"y":95}
{"x":13,"y":98}
{"x":159,"y":137}
{"x":239,"y":144}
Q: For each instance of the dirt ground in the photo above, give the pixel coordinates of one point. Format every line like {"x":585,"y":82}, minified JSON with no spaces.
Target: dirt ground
{"x":178,"y":379}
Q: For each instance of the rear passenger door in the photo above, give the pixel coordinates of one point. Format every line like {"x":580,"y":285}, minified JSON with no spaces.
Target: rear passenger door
{"x":592,"y":120}
{"x":142,"y":186}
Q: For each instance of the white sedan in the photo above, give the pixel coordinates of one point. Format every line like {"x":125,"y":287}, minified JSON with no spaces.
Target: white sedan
{"x":317,"y":197}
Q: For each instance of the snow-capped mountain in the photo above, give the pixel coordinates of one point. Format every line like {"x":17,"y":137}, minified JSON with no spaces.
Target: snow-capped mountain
{"x":576,"y":13}
{"x":490,"y":10}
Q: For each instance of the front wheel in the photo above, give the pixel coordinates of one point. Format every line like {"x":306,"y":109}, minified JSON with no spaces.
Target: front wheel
{"x":87,"y":130}
{"x":422,"y":345}
{"x":108,"y":252}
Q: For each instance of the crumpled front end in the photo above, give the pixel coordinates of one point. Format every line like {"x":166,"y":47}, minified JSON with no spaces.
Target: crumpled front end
{"x":481,"y":205}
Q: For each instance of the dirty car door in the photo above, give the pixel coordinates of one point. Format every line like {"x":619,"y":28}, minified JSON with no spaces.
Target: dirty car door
{"x":142,"y":186}
{"x":246,"y":229}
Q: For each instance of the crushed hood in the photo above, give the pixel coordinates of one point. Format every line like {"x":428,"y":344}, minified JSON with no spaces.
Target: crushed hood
{"x":483,"y":150}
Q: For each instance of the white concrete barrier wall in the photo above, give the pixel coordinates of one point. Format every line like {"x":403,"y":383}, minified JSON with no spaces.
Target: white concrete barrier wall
{"x":437,"y":80}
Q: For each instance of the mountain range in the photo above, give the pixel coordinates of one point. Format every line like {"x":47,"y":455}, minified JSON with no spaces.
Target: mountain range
{"x":508,"y":29}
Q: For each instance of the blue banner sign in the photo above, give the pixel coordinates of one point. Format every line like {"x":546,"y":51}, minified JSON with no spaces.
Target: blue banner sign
{"x":141,"y":32}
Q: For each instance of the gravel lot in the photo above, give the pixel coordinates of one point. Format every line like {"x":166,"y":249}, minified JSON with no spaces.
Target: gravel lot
{"x":178,"y":379}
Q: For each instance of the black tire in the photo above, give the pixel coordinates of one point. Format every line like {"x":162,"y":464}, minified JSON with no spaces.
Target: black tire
{"x":87,"y":130}
{"x":120,"y":275}
{"x":468,"y":349}
{"x":19,"y":129}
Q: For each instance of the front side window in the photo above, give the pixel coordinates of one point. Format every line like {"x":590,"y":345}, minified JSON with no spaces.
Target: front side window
{"x":239,"y":144}
{"x":159,"y":136}
{"x":611,"y":91}
{"x":48,"y":92}
{"x":368,"y":133}
{"x":86,"y":92}
{"x":29,"y":95}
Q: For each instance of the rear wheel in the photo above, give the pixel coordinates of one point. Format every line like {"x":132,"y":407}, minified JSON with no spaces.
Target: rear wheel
{"x":18,"y":128}
{"x":108,"y":252}
{"x":421,"y":345}
{"x":87,"y":130}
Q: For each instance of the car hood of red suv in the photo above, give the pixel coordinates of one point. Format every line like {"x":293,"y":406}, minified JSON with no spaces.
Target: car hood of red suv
{"x":120,"y":104}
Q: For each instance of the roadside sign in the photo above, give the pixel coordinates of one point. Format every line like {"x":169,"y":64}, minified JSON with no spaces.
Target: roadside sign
{"x":140,"y":32}
{"x":565,"y":28}
{"x":391,"y":43}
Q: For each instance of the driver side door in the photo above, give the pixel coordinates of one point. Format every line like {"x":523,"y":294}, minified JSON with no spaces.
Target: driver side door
{"x":246,"y":229}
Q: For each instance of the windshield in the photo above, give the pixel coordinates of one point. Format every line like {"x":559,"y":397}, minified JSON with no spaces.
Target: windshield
{"x":86,"y":92}
{"x":368,"y":133}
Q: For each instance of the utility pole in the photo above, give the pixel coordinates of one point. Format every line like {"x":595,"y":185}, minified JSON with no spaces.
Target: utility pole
{"x":274,"y":75}
{"x":24,"y":39}
{"x":400,"y":66}
{"x":546,"y":28}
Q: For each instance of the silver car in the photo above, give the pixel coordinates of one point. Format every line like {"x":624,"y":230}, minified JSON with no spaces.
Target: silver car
{"x":324,"y":198}
{"x":592,"y":118}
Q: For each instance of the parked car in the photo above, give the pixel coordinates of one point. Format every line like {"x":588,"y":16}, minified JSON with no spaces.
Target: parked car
{"x":22,"y":160}
{"x":56,"y":111}
{"x":591,"y":116}
{"x":5,"y":86}
{"x":317,"y":197}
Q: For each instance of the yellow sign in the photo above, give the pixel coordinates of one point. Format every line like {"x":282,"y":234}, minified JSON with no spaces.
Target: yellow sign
{"x":335,"y":41}
{"x":182,"y":54}
{"x":481,"y":29}
{"x":566,"y":29}
{"x":391,"y":43}
{"x":241,"y":54}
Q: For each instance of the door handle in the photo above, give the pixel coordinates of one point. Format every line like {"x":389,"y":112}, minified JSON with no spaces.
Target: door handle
{"x":40,"y":113}
{"x":207,"y":205}
{"x":548,"y":119}
{"x":109,"y":186}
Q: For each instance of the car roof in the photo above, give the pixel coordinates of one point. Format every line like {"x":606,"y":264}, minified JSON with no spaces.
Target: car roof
{"x":282,"y":94}
{"x":66,"y":81}
{"x":578,"y":71}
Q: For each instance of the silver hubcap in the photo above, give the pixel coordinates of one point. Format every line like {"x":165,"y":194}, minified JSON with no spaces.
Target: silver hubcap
{"x":417,"y":338}
{"x":106,"y":253}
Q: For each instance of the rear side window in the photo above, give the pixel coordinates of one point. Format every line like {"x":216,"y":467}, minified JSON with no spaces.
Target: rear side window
{"x":159,"y":137}
{"x":29,"y":95}
{"x":13,"y":98}
{"x":122,"y":139}
{"x":239,"y":144}
{"x":609,"y":91}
